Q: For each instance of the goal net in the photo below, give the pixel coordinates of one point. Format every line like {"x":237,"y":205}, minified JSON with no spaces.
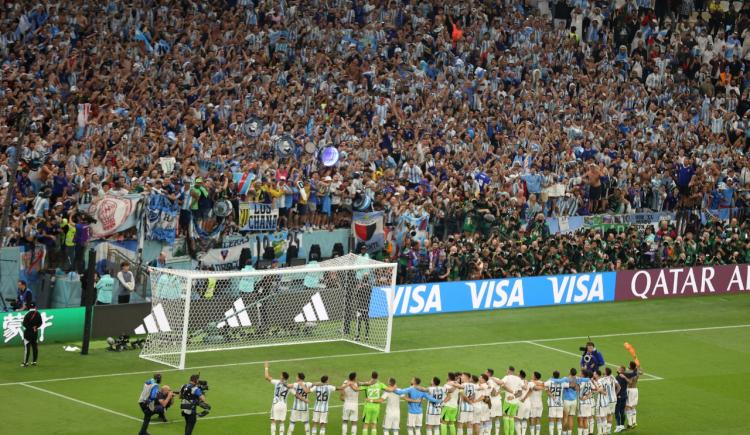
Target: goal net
{"x":342,"y":299}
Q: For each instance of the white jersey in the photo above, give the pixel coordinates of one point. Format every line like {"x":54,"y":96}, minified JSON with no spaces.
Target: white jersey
{"x":439,"y":394}
{"x":584,"y":389}
{"x":299,"y":390}
{"x":453,"y":400}
{"x":351,"y":398}
{"x":470,"y":391}
{"x":555,"y":389}
{"x":602,"y":400}
{"x":482,"y":391}
{"x":322,"y":396}
{"x":392,"y":404}
{"x":535,"y":398}
{"x":494,"y":388}
{"x":610,"y":388}
{"x":515,"y":384}
{"x":280,"y":391}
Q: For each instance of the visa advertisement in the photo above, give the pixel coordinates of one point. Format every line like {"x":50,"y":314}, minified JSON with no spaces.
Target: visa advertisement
{"x":494,"y":294}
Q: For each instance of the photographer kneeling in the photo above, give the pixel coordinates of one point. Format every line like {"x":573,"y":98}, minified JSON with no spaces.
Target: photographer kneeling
{"x":192,"y":397}
{"x":158,"y":400}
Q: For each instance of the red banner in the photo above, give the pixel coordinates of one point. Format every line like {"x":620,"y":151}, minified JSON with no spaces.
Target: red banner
{"x":685,"y":281}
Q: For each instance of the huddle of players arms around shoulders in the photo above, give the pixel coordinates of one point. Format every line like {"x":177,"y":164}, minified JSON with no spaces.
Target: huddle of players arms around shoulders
{"x":465,"y":403}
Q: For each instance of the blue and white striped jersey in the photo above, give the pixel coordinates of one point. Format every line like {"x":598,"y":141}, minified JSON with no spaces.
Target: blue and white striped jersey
{"x":584,"y":391}
{"x":602,"y":399}
{"x":470,"y":391}
{"x":322,"y":396}
{"x":439,"y":394}
{"x":299,"y":390}
{"x":555,"y":388}
{"x":280,"y":391}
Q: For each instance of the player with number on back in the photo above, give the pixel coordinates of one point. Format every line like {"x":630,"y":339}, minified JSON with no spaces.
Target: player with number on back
{"x":281,"y":389}
{"x":323,"y":392}
{"x":434,"y":411}
{"x":585,"y":401}
{"x":373,"y":399}
{"x":301,"y":405}
{"x":555,"y":387}
{"x":466,"y":409}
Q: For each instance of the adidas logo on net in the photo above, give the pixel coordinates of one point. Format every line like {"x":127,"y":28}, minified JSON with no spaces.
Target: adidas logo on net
{"x":236,"y":316}
{"x":314,"y":311}
{"x":154,"y":322}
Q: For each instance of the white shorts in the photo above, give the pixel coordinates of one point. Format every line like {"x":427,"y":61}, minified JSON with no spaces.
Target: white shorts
{"x":392,"y":421}
{"x":278,"y":411}
{"x":432,"y":420}
{"x":584,"y":411}
{"x":349,"y":414}
{"x":496,"y":408}
{"x":300,"y":416}
{"x":599,"y":411}
{"x":524,"y":410}
{"x":555,"y":412}
{"x":414,"y":420}
{"x":632,"y":397}
{"x":481,"y":413}
{"x":466,"y":417}
{"x":320,"y":417}
{"x":536,"y":410}
{"x":569,"y":407}
{"x":611,"y":408}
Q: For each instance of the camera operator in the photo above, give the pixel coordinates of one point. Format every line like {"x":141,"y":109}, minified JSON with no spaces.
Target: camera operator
{"x":591,"y":359}
{"x":154,"y":400}
{"x":191,"y":395}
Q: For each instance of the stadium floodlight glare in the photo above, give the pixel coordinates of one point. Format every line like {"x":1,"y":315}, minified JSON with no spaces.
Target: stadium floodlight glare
{"x":346,"y":298}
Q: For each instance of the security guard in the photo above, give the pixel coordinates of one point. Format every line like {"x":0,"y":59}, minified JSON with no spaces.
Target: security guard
{"x":192,"y":397}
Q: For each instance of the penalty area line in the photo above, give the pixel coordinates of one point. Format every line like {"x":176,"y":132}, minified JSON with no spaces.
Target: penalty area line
{"x":544,"y":346}
{"x":353,"y":355}
{"x":80,"y":402}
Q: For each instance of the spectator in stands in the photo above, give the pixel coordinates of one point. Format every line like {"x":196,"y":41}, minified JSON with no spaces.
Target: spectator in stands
{"x":105,"y":286}
{"x":24,"y":297}
{"x":125,"y":283}
{"x":452,"y":110}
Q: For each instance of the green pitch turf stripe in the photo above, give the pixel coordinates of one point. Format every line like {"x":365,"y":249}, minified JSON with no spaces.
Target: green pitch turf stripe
{"x":422,"y":349}
{"x":80,"y":402}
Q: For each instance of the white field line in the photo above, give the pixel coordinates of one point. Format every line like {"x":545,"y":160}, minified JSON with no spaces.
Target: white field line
{"x":80,"y":402}
{"x":652,"y":377}
{"x":352,"y":355}
{"x":130,"y":417}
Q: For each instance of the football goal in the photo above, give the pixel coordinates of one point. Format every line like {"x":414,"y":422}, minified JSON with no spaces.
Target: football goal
{"x":342,"y":299}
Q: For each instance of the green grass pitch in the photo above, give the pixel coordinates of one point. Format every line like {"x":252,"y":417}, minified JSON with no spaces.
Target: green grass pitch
{"x":696,"y":352}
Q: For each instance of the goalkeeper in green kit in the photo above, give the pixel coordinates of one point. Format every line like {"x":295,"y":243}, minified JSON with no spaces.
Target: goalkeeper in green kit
{"x":373,"y":399}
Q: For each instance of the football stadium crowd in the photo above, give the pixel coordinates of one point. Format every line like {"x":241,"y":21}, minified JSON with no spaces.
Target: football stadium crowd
{"x":487,"y":116}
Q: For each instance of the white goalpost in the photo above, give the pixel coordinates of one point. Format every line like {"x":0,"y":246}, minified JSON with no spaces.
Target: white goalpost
{"x":342,"y":299}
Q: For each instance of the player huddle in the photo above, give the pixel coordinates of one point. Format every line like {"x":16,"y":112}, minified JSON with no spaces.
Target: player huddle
{"x":463,"y":404}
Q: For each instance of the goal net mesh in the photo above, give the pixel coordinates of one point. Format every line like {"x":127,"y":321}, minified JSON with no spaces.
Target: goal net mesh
{"x":341,"y":299}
